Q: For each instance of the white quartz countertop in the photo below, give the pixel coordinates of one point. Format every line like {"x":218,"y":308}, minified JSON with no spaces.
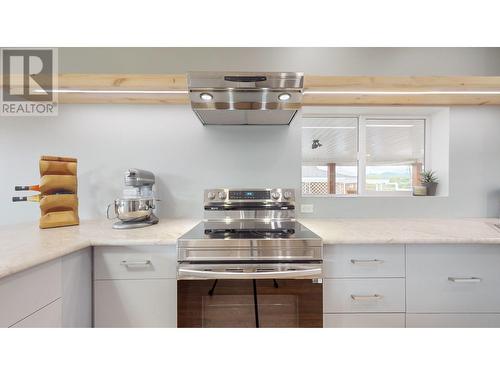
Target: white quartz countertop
{"x":25,"y":245}
{"x":405,"y":231}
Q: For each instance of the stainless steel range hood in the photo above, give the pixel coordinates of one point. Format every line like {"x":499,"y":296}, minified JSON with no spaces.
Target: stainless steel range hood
{"x":236,"y":98}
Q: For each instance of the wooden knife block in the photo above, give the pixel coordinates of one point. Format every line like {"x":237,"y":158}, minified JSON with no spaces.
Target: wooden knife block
{"x":58,"y":187}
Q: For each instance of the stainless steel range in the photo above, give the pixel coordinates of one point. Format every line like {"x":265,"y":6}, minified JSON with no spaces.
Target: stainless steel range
{"x":250,"y":263}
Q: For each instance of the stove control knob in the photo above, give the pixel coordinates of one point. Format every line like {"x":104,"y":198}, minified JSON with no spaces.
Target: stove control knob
{"x":275,"y":195}
{"x":211,"y":195}
{"x":287,"y":194}
{"x":222,"y":195}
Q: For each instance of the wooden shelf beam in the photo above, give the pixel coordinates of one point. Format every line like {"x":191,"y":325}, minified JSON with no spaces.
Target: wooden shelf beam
{"x":318,"y":90}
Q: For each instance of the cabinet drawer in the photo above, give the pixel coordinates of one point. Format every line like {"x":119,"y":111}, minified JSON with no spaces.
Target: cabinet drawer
{"x":49,"y":316}
{"x":453,"y":320}
{"x":135,"y":303}
{"x":134,"y":262}
{"x":364,"y":320}
{"x":363,"y":295}
{"x":25,"y":292}
{"x":453,"y":279}
{"x":364,"y":261}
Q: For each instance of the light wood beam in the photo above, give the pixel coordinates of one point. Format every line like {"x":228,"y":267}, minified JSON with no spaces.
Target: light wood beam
{"x":318,"y":90}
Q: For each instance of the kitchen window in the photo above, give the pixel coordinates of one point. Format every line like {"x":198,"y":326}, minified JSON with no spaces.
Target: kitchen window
{"x":362,"y":155}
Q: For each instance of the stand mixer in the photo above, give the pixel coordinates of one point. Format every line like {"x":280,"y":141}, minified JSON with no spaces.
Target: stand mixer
{"x":135,"y":209}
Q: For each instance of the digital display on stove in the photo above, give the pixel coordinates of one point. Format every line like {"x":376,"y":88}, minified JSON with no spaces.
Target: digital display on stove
{"x":249,"y":194}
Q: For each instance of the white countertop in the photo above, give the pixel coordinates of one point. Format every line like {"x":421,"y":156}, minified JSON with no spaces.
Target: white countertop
{"x":405,"y":231}
{"x":25,"y":245}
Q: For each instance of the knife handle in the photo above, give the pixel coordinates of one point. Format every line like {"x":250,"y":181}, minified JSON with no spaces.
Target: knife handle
{"x":29,"y":198}
{"x":27,"y":187}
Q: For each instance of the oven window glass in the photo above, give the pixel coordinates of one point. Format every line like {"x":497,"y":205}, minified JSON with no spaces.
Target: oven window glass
{"x":233,"y":303}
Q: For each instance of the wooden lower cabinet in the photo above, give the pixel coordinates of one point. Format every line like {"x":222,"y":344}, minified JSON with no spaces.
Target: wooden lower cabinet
{"x":364,"y":320}
{"x":453,"y":320}
{"x":135,"y":303}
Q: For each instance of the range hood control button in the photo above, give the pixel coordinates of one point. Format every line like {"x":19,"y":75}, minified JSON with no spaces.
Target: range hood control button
{"x":287,"y":194}
{"x":211,"y":195}
{"x":275,"y":195}
{"x":222,"y":195}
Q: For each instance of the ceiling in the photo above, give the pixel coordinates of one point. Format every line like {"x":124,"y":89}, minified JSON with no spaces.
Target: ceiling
{"x":338,"y":137}
{"x":388,"y":142}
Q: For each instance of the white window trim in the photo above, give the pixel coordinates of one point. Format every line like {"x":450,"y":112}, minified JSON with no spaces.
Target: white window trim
{"x":361,"y":155}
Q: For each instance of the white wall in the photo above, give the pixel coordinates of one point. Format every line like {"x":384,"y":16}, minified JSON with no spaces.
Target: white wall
{"x":187,"y":157}
{"x":339,"y":61}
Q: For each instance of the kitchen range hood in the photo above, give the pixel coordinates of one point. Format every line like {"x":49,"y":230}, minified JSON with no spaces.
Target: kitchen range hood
{"x":237,"y":98}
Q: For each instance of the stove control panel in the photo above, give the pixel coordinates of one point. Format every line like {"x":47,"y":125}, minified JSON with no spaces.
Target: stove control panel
{"x":240,"y":196}
{"x":249,"y":194}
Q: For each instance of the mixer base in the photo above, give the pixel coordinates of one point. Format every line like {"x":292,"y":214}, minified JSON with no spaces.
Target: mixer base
{"x":136,"y":224}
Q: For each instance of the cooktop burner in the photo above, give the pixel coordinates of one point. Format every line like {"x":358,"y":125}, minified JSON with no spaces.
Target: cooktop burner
{"x":248,"y":233}
{"x":249,"y":229}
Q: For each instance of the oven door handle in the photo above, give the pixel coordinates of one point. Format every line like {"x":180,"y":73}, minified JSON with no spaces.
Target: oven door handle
{"x":189,"y":273}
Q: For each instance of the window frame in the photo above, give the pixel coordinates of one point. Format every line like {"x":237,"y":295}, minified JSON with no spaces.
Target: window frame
{"x":361,"y":152}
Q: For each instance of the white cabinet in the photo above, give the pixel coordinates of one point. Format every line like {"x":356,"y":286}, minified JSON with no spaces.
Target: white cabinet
{"x":363,"y":295}
{"x":413,"y":285}
{"x":453,"y":279}
{"x":77,"y":289}
{"x":135,"y":286}
{"x":26,"y":292}
{"x":135,"y":262}
{"x":453,"y":320}
{"x":53,"y":294}
{"x":364,"y":286}
{"x":49,"y":316}
{"x":136,"y":303}
{"x":364,"y":261}
{"x":364,"y":320}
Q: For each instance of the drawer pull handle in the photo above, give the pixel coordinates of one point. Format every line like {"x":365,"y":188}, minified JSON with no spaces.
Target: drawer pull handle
{"x":367,"y":261}
{"x":464,"y":279}
{"x":144,"y":263}
{"x":374,"y":297}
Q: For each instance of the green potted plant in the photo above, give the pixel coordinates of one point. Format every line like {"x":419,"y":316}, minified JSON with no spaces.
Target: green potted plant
{"x":430,"y":181}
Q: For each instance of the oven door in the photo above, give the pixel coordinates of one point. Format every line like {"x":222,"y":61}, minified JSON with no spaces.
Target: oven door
{"x":250,"y":295}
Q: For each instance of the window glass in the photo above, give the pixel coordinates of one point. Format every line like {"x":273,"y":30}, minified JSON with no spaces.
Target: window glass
{"x":329,"y":155}
{"x":395,"y":152}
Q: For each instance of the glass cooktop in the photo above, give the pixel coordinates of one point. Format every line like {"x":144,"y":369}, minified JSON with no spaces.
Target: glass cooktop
{"x":249,"y":229}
